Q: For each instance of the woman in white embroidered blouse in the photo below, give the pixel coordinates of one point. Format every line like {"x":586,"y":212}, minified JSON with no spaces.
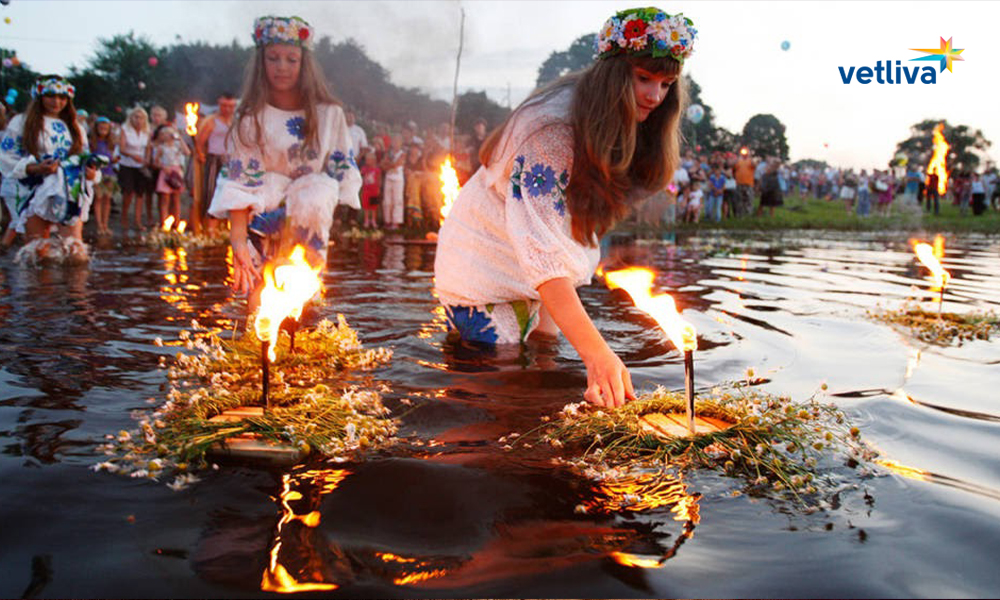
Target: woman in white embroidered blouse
{"x":289,"y":152}
{"x":567,"y":164}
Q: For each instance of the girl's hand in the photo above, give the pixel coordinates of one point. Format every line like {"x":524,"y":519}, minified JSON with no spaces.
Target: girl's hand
{"x":46,"y":167}
{"x":245,"y":275}
{"x":608,"y":381}
{"x":91,"y":172}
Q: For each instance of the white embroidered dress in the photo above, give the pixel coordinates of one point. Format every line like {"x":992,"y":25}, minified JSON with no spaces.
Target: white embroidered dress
{"x":307,"y":183}
{"x":46,"y":197}
{"x":509,"y":230}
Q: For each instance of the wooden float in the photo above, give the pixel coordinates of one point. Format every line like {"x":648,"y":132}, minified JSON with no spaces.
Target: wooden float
{"x":251,"y":446}
{"x":674,"y":425}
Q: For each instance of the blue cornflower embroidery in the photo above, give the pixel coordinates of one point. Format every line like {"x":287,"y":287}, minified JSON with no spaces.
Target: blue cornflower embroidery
{"x":541,"y":180}
{"x":59,"y":127}
{"x":234,"y":169}
{"x":338,"y":163}
{"x":472,"y":324}
{"x":296,"y":126}
{"x":253,"y":164}
{"x":7,"y":144}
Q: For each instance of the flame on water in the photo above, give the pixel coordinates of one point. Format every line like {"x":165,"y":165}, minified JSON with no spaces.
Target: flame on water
{"x":168,"y":223}
{"x":286,"y":290}
{"x":449,"y":187}
{"x":638,"y":282}
{"x":939,"y":160}
{"x":927,"y":255}
{"x":181,"y":226}
{"x":191,"y":117}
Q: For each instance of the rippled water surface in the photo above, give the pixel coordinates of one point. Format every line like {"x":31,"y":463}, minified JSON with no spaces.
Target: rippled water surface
{"x":449,"y":513}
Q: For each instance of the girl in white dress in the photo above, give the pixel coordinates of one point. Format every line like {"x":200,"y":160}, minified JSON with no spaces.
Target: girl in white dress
{"x":45,"y":153}
{"x":567,"y":164}
{"x":289,"y":152}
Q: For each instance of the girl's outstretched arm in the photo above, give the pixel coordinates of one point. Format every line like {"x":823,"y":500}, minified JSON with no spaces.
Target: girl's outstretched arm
{"x":608,"y":381}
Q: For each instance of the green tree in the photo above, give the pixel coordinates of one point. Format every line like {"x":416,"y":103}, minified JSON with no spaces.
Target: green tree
{"x":967,"y":145}
{"x":764,"y":134}
{"x":19,"y":77}
{"x":578,"y":56}
{"x":119,"y":74}
{"x":810,"y":163}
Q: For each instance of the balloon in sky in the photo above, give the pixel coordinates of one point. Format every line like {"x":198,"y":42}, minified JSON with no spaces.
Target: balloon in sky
{"x":153,"y":61}
{"x":6,"y":20}
{"x":785,"y":45}
{"x":695,"y":113}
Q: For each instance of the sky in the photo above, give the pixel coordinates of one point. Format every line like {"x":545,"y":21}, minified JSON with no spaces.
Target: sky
{"x":738,"y":59}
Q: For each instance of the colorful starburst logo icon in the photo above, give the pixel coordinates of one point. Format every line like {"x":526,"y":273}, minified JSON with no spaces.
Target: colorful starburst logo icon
{"x":945,"y":54}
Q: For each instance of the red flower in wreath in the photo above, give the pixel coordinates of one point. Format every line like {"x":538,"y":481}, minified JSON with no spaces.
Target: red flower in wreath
{"x":303,"y":34}
{"x":635,"y":28}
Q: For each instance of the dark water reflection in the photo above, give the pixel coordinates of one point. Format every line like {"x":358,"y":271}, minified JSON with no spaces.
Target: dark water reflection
{"x":447,"y":512}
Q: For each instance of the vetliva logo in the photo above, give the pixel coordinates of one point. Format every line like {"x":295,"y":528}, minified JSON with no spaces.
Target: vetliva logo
{"x":910,"y":75}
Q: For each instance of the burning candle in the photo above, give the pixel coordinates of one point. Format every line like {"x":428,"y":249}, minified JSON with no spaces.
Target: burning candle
{"x":638,"y":282}
{"x":929,"y":256}
{"x":287,"y":288}
{"x":168,"y":223}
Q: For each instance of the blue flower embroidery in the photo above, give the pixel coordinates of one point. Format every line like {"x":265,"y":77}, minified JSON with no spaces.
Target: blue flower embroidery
{"x":541,"y":180}
{"x":59,"y":127}
{"x":339,"y":163}
{"x":234,"y":169}
{"x":295,"y":126}
{"x":472,"y":324}
{"x":7,"y":144}
{"x":253,"y":164}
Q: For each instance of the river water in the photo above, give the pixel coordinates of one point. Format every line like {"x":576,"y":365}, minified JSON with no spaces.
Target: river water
{"x":448,"y":513}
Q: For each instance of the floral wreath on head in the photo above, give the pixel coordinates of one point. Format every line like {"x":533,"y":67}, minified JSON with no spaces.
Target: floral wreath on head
{"x":646,"y":32}
{"x":52,"y":85}
{"x":282,"y":30}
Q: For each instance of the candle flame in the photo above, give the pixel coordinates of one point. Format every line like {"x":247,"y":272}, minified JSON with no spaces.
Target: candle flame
{"x":168,"y":223}
{"x":928,"y":256}
{"x":287,"y":288}
{"x":449,"y":186}
{"x":181,"y":226}
{"x":638,"y":282}
{"x":939,"y":160}
{"x":191,"y":117}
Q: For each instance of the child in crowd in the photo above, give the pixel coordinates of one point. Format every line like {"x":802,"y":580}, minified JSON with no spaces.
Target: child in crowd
{"x":46,"y":152}
{"x":169,"y":158}
{"x":694,"y":198}
{"x":717,"y":187}
{"x":104,"y":144}
{"x":392,"y":190}
{"x":290,"y":158}
{"x":567,"y":165}
{"x":371,"y":185}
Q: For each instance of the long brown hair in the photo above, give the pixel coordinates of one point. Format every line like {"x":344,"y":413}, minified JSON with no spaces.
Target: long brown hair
{"x":312,"y":88}
{"x":612,"y":152}
{"x":34,"y":123}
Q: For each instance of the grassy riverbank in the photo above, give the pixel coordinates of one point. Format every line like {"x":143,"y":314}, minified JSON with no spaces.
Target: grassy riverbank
{"x":810,"y":213}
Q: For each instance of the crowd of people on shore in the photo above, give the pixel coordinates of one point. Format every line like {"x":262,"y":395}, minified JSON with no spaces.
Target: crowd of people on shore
{"x":725,"y":185}
{"x":149,"y":159}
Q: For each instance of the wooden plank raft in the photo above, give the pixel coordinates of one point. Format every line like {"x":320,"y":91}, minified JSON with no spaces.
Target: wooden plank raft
{"x":251,"y":446}
{"x":673,"y":425}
